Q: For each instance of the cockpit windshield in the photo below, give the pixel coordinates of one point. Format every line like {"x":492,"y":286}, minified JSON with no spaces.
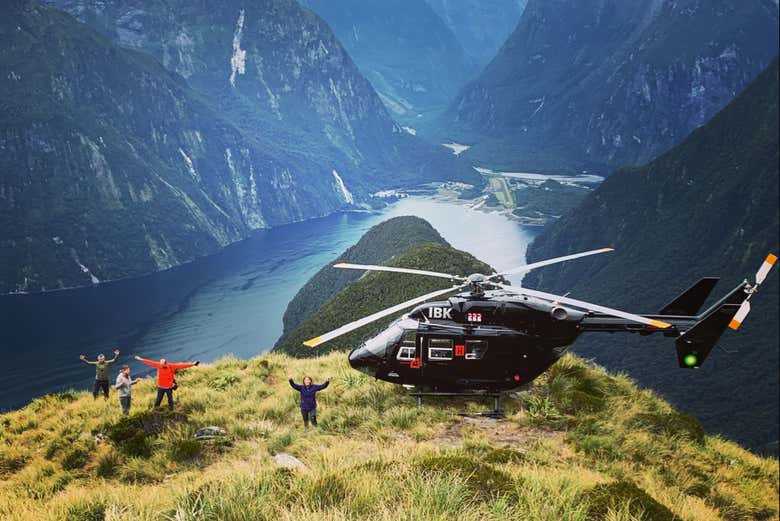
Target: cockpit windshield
{"x":391,"y":336}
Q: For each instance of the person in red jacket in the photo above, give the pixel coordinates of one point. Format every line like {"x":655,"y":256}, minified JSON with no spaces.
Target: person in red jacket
{"x":166,"y":372}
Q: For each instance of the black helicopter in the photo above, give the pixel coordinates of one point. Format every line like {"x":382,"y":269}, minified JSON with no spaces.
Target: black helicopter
{"x":495,"y":337}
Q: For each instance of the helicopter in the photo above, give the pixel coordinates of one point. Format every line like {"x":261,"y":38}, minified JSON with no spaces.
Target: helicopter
{"x":495,"y":337}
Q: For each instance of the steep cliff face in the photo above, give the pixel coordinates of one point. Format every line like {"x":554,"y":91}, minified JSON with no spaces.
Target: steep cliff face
{"x":708,"y":207}
{"x":114,"y":166}
{"x":481,"y":26}
{"x":594,"y":85}
{"x":278,"y":71}
{"x":405,"y":50}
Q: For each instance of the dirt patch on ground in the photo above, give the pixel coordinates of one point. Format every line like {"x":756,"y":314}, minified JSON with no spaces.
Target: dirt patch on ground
{"x":504,"y":432}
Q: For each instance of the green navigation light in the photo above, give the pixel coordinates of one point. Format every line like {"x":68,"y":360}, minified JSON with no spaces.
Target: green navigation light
{"x":690,"y":360}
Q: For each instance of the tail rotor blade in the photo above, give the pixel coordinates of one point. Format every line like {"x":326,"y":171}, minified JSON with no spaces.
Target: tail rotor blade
{"x":314,"y":342}
{"x":740,"y":315}
{"x":767,"y":265}
{"x":534,"y":265}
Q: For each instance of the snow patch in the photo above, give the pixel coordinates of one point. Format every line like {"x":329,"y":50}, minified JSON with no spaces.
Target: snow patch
{"x":238,"y":60}
{"x":346,"y":194}
{"x":456,"y":148}
{"x":410,"y":130}
{"x":188,"y":162}
{"x":540,"y":101}
{"x":84,"y":269}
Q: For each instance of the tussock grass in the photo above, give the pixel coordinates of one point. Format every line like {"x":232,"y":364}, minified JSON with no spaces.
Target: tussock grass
{"x":579,"y":444}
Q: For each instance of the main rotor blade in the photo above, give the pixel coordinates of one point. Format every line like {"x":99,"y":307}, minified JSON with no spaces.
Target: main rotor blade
{"x":556,"y":260}
{"x":587,"y":305}
{"x":371,"y":267}
{"x":314,"y":342}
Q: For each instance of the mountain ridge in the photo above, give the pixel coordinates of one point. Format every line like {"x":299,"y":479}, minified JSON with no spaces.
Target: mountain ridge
{"x":708,"y":207}
{"x":597,"y":86}
{"x":104,"y":145}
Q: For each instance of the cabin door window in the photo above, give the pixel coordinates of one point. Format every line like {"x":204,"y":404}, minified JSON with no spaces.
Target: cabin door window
{"x":440,"y":349}
{"x":475,"y":349}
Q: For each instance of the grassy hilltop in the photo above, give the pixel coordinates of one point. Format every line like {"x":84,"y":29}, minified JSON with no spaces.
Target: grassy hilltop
{"x":579,"y":444}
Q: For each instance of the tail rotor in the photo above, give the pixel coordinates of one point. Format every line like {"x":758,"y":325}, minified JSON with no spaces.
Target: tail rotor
{"x":761,"y":275}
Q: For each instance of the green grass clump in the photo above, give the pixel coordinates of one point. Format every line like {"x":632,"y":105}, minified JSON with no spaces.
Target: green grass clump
{"x":133,"y":434}
{"x":86,"y":510}
{"x":503,"y":456}
{"x":75,"y":458}
{"x":107,"y":464}
{"x":484,"y":481}
{"x":324,"y":492}
{"x":12,"y":460}
{"x":672,"y":423}
{"x":614,"y":496}
{"x":223,"y":382}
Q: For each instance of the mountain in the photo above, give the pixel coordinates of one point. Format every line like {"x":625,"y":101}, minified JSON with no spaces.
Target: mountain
{"x":376,"y":291}
{"x":578,"y":444}
{"x":377,"y":246}
{"x":602,"y":84}
{"x":122,"y":159}
{"x":708,"y":207}
{"x":481,"y":26}
{"x":406,"y":51}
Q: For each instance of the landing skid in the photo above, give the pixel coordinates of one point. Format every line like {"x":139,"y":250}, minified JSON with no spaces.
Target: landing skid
{"x":496,"y":413}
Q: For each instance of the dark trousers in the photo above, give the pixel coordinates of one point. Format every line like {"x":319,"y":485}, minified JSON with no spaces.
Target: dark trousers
{"x":100,"y":385}
{"x":124,"y":401}
{"x":164,"y":392}
{"x":309,"y":415}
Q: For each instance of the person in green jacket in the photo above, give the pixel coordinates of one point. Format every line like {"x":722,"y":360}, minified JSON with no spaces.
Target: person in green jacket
{"x":101,"y":372}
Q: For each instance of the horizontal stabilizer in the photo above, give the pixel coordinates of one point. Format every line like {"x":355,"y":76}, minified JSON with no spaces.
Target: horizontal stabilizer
{"x":695,"y":344}
{"x":692,"y":299}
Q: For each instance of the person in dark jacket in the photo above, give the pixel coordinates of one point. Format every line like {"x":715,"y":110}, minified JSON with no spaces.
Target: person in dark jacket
{"x":308,"y":398}
{"x":101,"y":372}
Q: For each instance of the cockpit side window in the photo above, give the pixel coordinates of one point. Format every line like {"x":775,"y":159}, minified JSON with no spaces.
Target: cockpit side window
{"x":408,"y":344}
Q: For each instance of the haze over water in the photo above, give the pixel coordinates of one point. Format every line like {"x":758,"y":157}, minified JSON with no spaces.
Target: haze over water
{"x":229,"y":303}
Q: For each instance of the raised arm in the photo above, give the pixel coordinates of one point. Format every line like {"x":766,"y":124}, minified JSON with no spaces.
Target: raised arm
{"x":183,"y":365}
{"x":84,"y":359}
{"x":148,"y":362}
{"x":116,"y":357}
{"x":295,"y":385}
{"x":320,"y":387}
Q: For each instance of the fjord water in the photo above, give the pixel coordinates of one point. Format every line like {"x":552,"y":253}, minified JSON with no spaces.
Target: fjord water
{"x":229,"y":303}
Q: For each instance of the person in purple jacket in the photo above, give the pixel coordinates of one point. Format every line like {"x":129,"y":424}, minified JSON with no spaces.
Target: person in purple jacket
{"x":308,"y":398}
